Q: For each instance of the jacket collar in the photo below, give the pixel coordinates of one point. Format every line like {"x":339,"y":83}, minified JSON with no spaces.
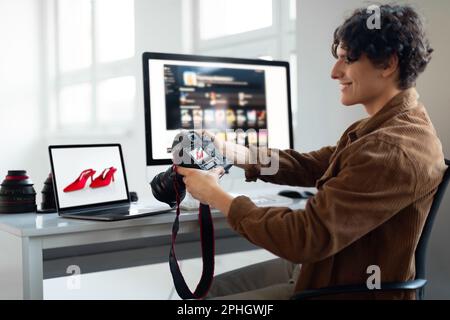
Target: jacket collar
{"x":405,"y":100}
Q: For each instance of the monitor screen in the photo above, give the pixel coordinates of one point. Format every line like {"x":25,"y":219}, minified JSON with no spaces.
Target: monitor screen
{"x":241,"y":100}
{"x":88,"y":175}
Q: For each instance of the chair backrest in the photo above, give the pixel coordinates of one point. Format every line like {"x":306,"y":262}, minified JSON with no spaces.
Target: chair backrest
{"x":421,"y":250}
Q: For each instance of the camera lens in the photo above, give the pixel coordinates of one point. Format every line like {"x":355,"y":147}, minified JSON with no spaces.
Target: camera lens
{"x":163,"y":187}
{"x":48,"y":196}
{"x":17,"y":194}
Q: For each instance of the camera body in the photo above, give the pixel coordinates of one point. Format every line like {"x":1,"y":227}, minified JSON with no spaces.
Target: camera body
{"x":189,"y":150}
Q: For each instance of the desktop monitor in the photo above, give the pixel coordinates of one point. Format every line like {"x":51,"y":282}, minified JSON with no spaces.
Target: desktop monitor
{"x":242,"y":100}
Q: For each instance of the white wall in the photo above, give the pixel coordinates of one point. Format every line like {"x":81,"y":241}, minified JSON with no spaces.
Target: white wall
{"x":323,"y":119}
{"x":19,"y":86}
{"x":433,"y":88}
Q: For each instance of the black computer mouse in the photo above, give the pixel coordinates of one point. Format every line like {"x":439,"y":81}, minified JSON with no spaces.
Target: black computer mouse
{"x":296,"y":194}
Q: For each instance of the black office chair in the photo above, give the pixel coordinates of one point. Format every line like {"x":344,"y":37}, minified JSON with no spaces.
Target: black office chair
{"x":418,"y":283}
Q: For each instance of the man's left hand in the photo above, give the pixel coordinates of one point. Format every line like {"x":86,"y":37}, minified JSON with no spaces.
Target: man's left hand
{"x":204,"y":186}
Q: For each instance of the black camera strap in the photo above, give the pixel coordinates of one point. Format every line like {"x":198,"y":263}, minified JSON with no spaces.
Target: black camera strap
{"x":207,"y":241}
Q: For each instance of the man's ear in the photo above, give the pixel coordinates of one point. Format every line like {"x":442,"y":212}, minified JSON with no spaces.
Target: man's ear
{"x":390,"y":67}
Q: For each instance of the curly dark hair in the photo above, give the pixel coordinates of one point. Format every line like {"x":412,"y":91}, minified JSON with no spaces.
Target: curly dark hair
{"x":402,"y":33}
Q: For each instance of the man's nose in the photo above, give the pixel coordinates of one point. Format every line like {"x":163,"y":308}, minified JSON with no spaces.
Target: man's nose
{"x":336,"y":72}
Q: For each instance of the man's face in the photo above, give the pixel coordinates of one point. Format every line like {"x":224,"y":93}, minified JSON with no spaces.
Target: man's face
{"x":360,"y":81}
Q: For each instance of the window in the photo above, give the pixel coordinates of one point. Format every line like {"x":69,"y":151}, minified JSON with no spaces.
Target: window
{"x":75,"y":105}
{"x":74,"y":34}
{"x":114,"y":96}
{"x":292,"y":9}
{"x":263,"y":29}
{"x":91,"y":49}
{"x":115,"y":29}
{"x":227,"y":17}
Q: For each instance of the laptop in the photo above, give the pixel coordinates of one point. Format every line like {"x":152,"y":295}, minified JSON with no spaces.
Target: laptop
{"x":90,"y":183}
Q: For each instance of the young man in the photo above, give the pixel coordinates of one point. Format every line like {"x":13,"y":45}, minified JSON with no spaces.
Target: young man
{"x":375,"y":187}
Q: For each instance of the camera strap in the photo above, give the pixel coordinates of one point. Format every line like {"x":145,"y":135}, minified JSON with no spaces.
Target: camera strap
{"x":207,"y":242}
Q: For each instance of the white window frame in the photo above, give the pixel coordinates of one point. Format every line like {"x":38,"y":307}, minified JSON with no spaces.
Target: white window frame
{"x":281,"y":27}
{"x":93,"y":75}
{"x":277,"y":41}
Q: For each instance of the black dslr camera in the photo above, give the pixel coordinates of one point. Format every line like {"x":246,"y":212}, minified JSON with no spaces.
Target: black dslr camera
{"x":189,"y":150}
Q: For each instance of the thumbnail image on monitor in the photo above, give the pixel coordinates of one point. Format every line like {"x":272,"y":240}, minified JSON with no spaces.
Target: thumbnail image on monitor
{"x":213,"y":98}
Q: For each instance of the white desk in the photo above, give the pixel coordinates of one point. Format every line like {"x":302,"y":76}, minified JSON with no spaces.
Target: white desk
{"x":25,"y":237}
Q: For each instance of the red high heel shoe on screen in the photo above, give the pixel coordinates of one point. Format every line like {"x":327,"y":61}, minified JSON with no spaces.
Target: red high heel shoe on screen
{"x":104,"y":179}
{"x":80,"y":182}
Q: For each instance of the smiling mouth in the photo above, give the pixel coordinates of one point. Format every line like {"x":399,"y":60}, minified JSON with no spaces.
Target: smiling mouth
{"x":345,"y":85}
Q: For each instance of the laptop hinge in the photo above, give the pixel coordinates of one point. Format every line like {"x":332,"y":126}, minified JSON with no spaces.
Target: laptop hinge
{"x":113,"y":208}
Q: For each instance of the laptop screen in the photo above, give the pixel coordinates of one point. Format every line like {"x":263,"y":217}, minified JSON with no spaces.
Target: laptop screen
{"x":88,"y":175}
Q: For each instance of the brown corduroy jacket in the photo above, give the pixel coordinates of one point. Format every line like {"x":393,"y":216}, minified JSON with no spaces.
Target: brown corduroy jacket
{"x":375,"y":189}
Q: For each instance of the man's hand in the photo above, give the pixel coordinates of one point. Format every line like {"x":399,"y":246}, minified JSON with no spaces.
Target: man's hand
{"x":235,"y":153}
{"x":204,"y":186}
